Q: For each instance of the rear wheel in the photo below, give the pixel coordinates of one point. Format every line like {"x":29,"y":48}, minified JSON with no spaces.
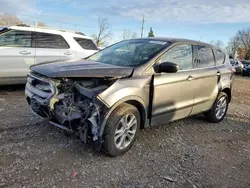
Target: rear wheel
{"x":219,"y":109}
{"x":121,"y":130}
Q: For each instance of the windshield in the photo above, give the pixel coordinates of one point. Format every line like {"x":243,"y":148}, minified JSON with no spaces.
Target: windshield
{"x":130,"y":53}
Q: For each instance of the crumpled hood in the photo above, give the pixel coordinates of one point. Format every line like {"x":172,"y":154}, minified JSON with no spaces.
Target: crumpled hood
{"x":81,"y":68}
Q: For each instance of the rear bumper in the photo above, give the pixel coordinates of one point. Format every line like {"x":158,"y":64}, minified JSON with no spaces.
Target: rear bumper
{"x":238,"y":69}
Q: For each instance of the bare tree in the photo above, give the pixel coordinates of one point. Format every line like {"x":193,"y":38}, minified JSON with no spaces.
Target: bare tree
{"x":128,"y":34}
{"x":243,"y":36}
{"x":233,"y":46}
{"x":217,"y":43}
{"x":41,"y":24}
{"x":104,"y":32}
{"x":8,"y":19}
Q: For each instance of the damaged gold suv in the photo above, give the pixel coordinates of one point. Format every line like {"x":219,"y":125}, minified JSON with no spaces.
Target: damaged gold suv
{"x":106,"y":98}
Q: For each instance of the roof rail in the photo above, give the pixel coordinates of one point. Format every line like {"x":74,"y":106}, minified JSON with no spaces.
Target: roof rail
{"x":63,"y":30}
{"x":56,"y":29}
{"x":79,"y":33}
{"x":22,"y":25}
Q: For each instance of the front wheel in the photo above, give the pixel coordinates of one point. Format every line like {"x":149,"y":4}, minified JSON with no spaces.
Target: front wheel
{"x":121,"y":130}
{"x":219,"y":109}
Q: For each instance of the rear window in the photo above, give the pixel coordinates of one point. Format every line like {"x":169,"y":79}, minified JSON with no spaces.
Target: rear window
{"x":232,"y":62}
{"x":220,"y":57}
{"x":47,"y":40}
{"x":86,"y":43}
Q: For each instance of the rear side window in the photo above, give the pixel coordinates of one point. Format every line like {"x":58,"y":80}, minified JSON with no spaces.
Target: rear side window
{"x":205,"y":57}
{"x":47,"y":40}
{"x":86,"y":43}
{"x":219,"y":57}
{"x":15,"y":38}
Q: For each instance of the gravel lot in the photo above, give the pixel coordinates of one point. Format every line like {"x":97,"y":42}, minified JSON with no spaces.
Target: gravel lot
{"x":187,"y":153}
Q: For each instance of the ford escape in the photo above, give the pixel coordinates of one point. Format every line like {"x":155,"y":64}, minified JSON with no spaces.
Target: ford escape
{"x":106,"y":98}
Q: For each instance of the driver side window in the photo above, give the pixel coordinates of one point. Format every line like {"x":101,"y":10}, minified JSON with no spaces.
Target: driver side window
{"x":181,"y":55}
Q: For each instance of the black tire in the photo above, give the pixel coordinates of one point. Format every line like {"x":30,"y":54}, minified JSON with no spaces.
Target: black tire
{"x":211,"y":114}
{"x":109,"y":145}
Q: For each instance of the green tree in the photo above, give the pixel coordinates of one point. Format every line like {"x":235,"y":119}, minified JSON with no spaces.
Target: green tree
{"x":151,"y":33}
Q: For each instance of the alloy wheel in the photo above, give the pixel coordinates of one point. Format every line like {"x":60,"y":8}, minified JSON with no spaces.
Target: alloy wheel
{"x":125,"y":131}
{"x":221,"y":107}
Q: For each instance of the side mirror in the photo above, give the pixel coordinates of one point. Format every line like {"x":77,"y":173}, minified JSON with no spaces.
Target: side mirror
{"x":168,"y":67}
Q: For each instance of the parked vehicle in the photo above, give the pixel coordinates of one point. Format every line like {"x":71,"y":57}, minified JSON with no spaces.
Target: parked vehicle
{"x":246,"y":69}
{"x":22,"y":46}
{"x":238,"y":66}
{"x":133,"y":84}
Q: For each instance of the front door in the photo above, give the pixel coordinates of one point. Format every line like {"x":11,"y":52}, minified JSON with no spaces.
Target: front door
{"x":16,"y":54}
{"x":173,"y":93}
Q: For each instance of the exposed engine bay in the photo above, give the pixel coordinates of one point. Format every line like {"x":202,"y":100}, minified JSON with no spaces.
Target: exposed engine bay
{"x":72,"y":104}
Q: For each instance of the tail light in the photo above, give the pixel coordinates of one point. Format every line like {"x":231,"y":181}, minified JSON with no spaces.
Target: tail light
{"x":233,"y":70}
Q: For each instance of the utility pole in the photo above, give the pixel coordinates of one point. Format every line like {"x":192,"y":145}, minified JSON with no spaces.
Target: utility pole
{"x":124,"y":31}
{"x":142,"y":26}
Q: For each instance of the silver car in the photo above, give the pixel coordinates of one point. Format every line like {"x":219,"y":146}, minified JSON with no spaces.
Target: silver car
{"x":238,"y":66}
{"x":108,"y":97}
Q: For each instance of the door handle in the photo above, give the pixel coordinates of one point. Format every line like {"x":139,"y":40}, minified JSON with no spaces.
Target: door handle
{"x":189,"y":78}
{"x":24,"y":52}
{"x":67,"y":53}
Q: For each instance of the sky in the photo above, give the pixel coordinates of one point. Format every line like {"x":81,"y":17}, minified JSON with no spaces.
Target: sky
{"x":204,"y":20}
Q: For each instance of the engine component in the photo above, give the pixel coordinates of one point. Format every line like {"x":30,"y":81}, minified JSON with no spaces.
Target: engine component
{"x":90,"y":93}
{"x":77,"y":107}
{"x":94,"y":127}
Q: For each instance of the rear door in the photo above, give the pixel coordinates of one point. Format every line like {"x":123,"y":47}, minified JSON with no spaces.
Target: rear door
{"x":16,"y":54}
{"x":51,"y":47}
{"x":225,"y":74}
{"x":205,"y":80}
